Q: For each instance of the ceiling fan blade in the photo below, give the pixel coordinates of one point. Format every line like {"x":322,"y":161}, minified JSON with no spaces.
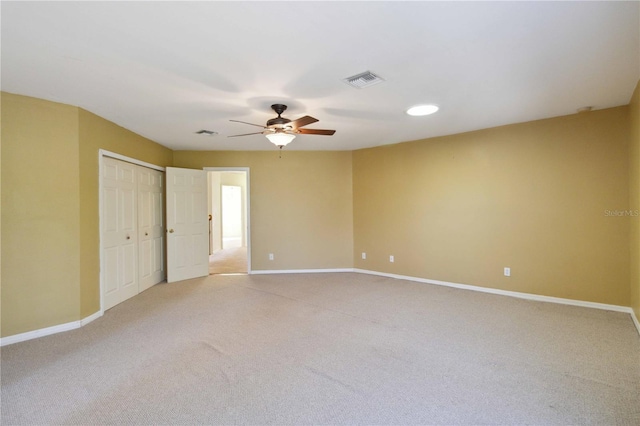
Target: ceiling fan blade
{"x":302,"y":121}
{"x":315,"y":132}
{"x":251,"y":124}
{"x":244,"y":134}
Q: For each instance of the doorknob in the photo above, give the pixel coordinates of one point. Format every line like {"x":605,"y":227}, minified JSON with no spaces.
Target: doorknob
{"x":128,"y":237}
{"x":171,"y":231}
{"x":146,"y":233}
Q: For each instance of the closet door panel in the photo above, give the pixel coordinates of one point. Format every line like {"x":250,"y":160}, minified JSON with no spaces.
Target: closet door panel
{"x":119,"y":232}
{"x":150,"y":227}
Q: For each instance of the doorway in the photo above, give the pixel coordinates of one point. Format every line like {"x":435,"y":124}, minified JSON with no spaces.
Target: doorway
{"x":229,"y":242}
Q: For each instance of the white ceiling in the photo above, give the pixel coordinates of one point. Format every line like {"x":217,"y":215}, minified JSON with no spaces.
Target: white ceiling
{"x":166,"y":70}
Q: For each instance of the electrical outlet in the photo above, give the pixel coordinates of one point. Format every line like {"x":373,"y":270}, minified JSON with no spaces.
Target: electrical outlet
{"x":270,"y":256}
{"x":364,"y":255}
{"x":507,"y":272}
{"x":391,"y":259}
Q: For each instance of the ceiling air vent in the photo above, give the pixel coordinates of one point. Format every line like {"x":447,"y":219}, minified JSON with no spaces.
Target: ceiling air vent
{"x":363,"y":80}
{"x":206,"y":132}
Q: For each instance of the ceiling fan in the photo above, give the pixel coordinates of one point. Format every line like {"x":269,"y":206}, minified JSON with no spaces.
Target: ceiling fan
{"x":280,"y":131}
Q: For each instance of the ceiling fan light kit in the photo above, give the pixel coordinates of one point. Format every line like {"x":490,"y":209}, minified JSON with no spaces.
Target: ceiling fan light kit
{"x":281,"y":131}
{"x":280,"y":139}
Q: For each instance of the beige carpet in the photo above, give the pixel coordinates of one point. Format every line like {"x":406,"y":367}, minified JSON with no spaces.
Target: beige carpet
{"x":228,"y":261}
{"x":328,"y":349}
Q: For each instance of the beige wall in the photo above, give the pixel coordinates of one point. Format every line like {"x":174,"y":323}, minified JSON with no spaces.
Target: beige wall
{"x":634,"y":198}
{"x":40,"y":214}
{"x":301,"y":205}
{"x":50,"y":243}
{"x":529,"y":196}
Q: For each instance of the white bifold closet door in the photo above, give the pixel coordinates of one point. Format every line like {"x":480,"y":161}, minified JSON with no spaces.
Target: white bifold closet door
{"x":132,"y":230}
{"x":150,"y":227}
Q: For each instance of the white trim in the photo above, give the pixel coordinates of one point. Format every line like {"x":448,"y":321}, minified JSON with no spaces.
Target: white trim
{"x":39,"y":333}
{"x":301,"y":271}
{"x":516,"y":294}
{"x":519,"y":295}
{"x":248,"y":200}
{"x":91,"y":318}
{"x":101,"y":155}
{"x":635,"y":320}
{"x":22,"y":337}
{"x":105,"y":153}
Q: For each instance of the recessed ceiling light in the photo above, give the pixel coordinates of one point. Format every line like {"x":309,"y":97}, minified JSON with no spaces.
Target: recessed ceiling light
{"x":420,"y":110}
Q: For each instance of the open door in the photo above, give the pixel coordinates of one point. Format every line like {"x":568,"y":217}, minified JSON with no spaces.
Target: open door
{"x":187,"y":224}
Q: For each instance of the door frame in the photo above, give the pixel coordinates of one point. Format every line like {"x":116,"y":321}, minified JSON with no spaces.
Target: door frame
{"x":247,"y":199}
{"x":102,"y":153}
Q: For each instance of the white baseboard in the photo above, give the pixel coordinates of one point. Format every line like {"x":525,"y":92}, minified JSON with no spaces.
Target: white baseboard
{"x":91,"y":318}
{"x":635,"y":320}
{"x":22,"y":337}
{"x":516,"y":294}
{"x":299,"y":271}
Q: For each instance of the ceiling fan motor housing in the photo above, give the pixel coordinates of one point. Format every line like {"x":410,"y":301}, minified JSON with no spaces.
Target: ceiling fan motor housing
{"x":278,"y":121}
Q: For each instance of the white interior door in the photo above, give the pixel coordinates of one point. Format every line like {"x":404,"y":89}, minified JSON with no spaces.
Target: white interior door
{"x":119,"y":232}
{"x":187,"y":224}
{"x":150,"y":227}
